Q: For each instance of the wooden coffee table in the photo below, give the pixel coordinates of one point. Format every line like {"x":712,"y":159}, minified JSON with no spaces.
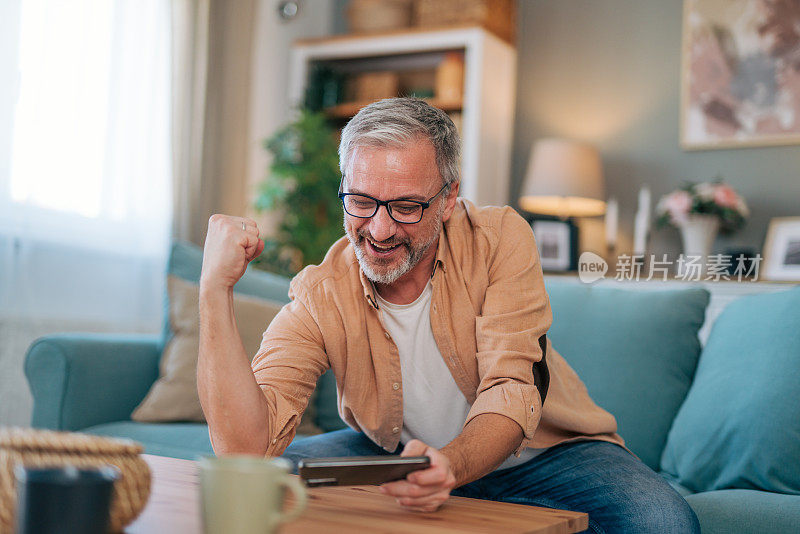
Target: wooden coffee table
{"x":174,"y":506}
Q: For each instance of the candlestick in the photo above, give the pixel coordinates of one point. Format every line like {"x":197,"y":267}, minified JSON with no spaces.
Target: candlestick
{"x":612,"y":220}
{"x":641,"y":226}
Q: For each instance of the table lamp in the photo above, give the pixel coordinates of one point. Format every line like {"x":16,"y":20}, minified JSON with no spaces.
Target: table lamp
{"x":564,"y":179}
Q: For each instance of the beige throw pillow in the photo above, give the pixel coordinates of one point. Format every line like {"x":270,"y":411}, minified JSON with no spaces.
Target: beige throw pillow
{"x":173,"y":397}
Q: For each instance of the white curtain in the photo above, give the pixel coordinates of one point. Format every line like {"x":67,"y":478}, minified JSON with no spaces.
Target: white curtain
{"x":212,"y":51}
{"x":190,"y":52}
{"x":85,"y":173}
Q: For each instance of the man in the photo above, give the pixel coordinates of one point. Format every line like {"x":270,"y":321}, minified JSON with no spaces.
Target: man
{"x":433,"y":315}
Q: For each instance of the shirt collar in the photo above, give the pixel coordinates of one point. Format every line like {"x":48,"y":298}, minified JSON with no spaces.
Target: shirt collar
{"x":368,"y":286}
{"x":441,"y":253}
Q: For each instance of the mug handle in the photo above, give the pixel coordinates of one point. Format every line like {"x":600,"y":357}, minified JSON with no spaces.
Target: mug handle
{"x":293,"y":484}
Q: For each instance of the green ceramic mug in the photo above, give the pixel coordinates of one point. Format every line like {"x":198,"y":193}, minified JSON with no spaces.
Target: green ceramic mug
{"x":245,"y":494}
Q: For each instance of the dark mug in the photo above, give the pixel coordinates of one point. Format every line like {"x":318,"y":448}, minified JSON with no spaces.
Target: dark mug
{"x":64,"y":500}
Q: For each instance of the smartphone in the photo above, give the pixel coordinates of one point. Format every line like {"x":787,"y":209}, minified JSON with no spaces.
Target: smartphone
{"x":359,"y":470}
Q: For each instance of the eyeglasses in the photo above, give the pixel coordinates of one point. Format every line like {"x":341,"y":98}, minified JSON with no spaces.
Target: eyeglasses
{"x":404,"y":211}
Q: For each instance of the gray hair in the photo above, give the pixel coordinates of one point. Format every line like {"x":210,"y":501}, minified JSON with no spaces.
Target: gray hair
{"x":396,"y":122}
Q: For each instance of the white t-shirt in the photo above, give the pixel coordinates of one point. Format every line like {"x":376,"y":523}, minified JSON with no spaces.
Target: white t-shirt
{"x":434,"y":409}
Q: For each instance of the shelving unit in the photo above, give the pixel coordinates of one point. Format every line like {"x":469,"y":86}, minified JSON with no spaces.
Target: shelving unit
{"x":486,"y":110}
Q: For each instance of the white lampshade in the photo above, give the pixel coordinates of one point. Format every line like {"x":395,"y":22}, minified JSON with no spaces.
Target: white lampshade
{"x":565,"y":179}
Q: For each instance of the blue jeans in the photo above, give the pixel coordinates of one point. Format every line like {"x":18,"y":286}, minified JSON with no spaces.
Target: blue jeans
{"x":617,"y":490}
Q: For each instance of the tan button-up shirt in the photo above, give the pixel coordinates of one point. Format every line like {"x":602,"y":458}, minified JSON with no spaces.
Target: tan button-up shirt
{"x":488,"y":310}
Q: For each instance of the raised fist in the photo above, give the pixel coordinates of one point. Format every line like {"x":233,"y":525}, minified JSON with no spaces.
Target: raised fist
{"x":231,"y":244}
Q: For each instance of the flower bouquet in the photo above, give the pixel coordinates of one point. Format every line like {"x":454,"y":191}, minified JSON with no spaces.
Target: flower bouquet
{"x":699,"y":211}
{"x":713,"y":199}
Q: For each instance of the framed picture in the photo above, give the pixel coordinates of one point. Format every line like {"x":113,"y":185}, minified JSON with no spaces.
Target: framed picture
{"x":782,"y":249}
{"x":557,"y":244}
{"x":740,"y":73}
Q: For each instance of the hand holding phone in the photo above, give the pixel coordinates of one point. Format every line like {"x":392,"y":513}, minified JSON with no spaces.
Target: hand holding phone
{"x":359,"y":470}
{"x":426,"y":490}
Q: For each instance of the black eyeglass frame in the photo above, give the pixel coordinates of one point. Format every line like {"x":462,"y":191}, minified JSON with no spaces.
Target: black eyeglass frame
{"x":378,"y":203}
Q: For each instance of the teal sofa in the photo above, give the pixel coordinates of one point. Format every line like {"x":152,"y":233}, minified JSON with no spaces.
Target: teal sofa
{"x":721,"y":423}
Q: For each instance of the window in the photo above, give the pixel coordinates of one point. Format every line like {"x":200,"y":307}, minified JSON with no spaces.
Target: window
{"x":88,"y":142}
{"x":85,"y":160}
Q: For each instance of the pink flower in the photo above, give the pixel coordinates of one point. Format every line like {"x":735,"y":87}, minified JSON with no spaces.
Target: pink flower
{"x":741,"y":207}
{"x":677,"y":204}
{"x":725,"y":196}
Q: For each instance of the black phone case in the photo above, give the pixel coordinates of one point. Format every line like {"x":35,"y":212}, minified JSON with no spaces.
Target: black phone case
{"x":359,"y":470}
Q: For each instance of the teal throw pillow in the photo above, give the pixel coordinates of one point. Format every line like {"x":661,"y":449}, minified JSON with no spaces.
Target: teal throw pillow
{"x":740,"y":424}
{"x":635,"y":349}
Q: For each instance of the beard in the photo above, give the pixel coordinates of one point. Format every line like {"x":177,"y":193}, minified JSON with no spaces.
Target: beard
{"x":380,"y":271}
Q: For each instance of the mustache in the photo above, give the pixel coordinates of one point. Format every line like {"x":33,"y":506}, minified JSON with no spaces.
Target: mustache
{"x":364,"y":234}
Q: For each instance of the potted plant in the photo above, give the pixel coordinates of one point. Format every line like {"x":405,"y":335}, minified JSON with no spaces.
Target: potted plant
{"x":699,"y":211}
{"x":302,"y":183}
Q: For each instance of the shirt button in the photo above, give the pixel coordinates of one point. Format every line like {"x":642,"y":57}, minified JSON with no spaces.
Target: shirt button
{"x":395,"y":430}
{"x":387,"y":335}
{"x":395,"y":386}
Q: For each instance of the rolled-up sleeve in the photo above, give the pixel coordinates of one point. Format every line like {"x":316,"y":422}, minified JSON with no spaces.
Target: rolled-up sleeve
{"x":515,"y":314}
{"x":288,"y":363}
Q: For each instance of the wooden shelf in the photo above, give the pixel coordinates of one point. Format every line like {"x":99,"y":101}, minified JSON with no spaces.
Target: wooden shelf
{"x":348,"y":109}
{"x":361,"y":36}
{"x":486,"y":109}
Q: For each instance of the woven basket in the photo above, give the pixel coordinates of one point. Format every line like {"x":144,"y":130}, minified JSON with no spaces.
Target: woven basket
{"x":45,"y":448}
{"x":378,"y":15}
{"x":497,"y":16}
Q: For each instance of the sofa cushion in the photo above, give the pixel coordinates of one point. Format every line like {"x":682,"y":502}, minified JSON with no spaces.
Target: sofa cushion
{"x":636,"y":351}
{"x":745,"y":512}
{"x":178,"y":440}
{"x":740,"y":424}
{"x":683,"y":490}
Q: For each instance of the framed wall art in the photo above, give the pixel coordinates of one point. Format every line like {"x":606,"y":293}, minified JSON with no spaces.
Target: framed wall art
{"x":782,"y":250}
{"x":740,"y":73}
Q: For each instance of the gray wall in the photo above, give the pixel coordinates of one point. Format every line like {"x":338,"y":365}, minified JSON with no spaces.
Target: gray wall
{"x":608,"y":72}
{"x":340,"y":16}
